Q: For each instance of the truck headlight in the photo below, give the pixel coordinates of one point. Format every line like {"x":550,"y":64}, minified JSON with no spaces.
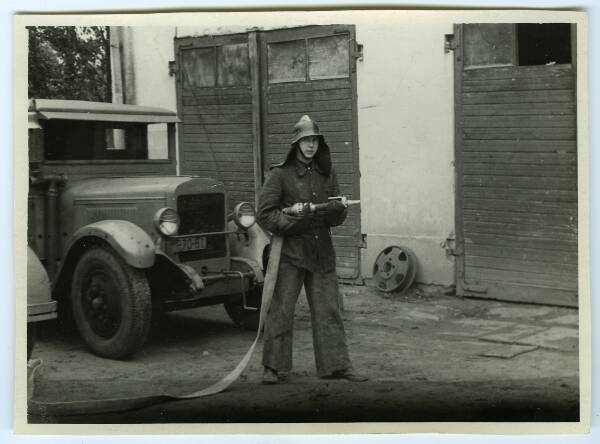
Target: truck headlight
{"x":166,"y":221}
{"x":244,"y":215}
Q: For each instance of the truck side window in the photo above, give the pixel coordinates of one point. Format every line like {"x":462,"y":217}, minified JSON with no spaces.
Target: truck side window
{"x":77,"y":140}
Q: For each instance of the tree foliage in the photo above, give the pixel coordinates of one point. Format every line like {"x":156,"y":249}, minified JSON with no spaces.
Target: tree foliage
{"x":69,"y":62}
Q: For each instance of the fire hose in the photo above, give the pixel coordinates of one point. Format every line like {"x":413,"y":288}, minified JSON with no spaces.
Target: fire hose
{"x":115,"y":405}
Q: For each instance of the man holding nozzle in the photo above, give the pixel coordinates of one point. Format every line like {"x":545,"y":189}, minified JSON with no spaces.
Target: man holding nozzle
{"x":305,"y":177}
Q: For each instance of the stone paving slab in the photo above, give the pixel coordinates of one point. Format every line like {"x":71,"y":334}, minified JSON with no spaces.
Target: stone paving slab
{"x":419,"y":315}
{"x":560,"y":338}
{"x":520,"y":311}
{"x":507,"y":351}
{"x":568,"y":319}
{"x":514,"y":333}
{"x":477,"y":327}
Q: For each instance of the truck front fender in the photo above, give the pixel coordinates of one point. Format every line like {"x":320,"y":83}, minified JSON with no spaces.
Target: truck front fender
{"x":40,"y":305}
{"x":249,"y":244}
{"x":131,"y":242}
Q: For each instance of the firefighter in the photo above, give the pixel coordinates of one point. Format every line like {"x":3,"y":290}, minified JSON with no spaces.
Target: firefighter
{"x":307,"y":257}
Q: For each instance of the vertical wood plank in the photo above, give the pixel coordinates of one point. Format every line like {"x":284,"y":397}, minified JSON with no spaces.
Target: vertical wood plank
{"x":515,"y":39}
{"x":263,"y":73}
{"x":256,"y":112}
{"x":459,"y":257}
{"x":172,"y":145}
{"x":358,"y":237}
{"x":179,"y":96}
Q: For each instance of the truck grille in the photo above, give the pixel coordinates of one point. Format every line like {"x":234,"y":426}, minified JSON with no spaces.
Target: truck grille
{"x":203,"y":213}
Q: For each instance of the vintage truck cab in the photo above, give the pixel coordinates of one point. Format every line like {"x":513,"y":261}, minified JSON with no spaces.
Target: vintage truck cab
{"x":121,"y":235}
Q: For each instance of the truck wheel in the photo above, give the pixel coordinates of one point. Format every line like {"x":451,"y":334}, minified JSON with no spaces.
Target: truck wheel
{"x":247,"y":319}
{"x":111,"y":304}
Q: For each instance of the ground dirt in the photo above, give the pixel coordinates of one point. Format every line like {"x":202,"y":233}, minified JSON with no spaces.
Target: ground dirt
{"x":429,"y":355}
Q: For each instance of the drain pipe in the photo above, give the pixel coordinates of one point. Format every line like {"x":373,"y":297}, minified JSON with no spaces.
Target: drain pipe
{"x":51,"y":238}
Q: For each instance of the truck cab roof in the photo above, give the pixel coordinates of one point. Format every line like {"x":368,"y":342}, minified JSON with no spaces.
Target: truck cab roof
{"x":88,"y":132}
{"x":49,"y":109}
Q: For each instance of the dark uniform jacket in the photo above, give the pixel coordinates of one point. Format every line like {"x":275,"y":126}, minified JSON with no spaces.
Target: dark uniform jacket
{"x":307,"y":241}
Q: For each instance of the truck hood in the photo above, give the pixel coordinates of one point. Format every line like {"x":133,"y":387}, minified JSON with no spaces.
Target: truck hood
{"x":135,"y":186}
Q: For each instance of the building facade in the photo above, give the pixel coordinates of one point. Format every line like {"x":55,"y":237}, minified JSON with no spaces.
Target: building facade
{"x":459,"y":145}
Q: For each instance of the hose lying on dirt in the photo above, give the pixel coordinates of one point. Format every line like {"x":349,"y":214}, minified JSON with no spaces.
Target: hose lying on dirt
{"x":95,"y":406}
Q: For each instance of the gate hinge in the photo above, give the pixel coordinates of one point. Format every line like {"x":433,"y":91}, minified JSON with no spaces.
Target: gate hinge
{"x":357,"y":51}
{"x":449,"y":244}
{"x":363,"y":241}
{"x":172,"y":68}
{"x":450,"y":43}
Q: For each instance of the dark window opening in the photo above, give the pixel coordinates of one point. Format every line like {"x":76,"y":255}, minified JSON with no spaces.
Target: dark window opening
{"x":543,"y":44}
{"x":75,"y":140}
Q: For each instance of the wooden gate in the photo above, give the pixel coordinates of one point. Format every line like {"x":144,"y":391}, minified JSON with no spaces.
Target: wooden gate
{"x":516,"y":158}
{"x":239,"y":97}
{"x":215,"y":102}
{"x":312,"y":71}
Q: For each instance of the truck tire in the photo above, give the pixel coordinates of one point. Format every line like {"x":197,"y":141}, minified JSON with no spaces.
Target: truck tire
{"x":246,"y":319}
{"x":111,"y":304}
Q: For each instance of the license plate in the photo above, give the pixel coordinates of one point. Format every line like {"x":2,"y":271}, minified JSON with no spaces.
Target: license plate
{"x":189,"y":244}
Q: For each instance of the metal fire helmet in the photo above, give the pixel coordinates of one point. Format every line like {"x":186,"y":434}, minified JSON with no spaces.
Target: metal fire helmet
{"x":304,"y":128}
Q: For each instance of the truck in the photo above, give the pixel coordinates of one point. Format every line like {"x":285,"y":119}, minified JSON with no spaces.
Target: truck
{"x":121,"y":235}
{"x":40,"y":305}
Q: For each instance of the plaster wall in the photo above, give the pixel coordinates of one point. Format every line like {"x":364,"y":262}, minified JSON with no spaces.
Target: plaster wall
{"x":405,"y":129}
{"x":406,"y":144}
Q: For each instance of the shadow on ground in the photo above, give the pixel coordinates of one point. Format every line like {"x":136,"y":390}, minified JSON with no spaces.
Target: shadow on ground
{"x":429,"y":356}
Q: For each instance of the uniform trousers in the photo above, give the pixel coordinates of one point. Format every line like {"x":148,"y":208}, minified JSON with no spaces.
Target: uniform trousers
{"x":329,"y":337}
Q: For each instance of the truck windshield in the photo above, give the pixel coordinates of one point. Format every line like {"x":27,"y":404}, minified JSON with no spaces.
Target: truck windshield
{"x":83,"y":140}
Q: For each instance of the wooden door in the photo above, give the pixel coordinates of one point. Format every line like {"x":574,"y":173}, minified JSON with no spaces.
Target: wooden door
{"x":311,"y":71}
{"x":516,"y":158}
{"x":215,"y":102}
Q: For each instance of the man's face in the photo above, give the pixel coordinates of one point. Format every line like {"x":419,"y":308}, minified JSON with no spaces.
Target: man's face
{"x":308,"y":146}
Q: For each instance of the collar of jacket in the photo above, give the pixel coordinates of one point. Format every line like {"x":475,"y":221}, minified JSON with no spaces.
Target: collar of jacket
{"x":302,"y":168}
